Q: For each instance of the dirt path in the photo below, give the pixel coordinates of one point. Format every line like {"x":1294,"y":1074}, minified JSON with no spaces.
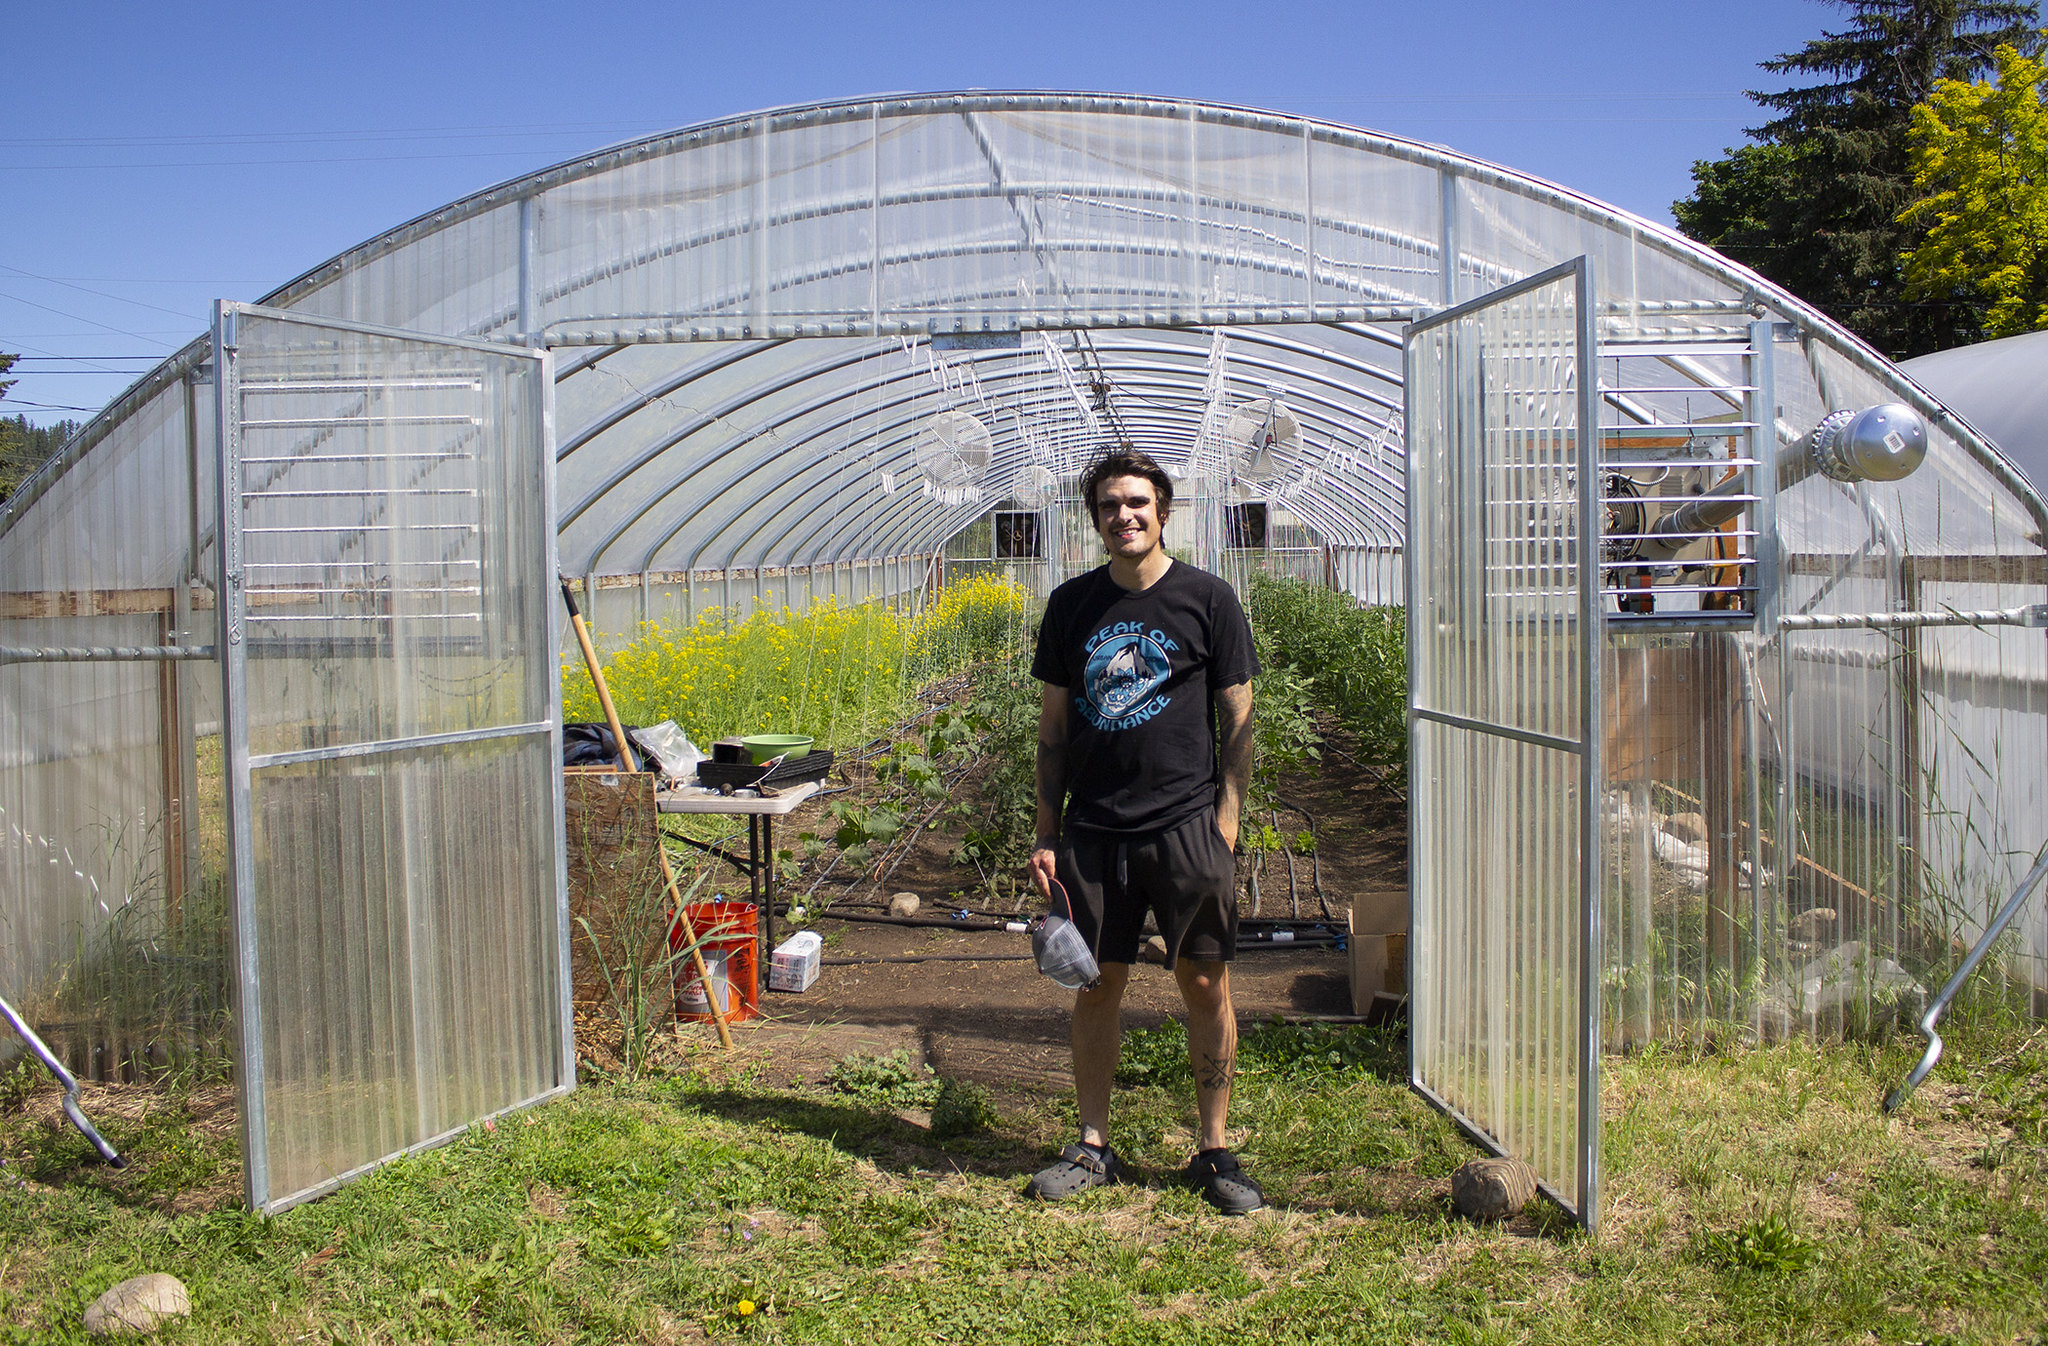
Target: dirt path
{"x":980,"y":1011}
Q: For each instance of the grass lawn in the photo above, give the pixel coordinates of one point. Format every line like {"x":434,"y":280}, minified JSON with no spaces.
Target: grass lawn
{"x":1752,"y":1195}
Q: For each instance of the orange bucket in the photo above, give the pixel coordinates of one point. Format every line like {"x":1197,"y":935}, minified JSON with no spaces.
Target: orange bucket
{"x":730,"y":932}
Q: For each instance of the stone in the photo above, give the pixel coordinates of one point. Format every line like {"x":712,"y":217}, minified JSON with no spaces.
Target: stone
{"x":903,"y":904}
{"x":1813,"y":924}
{"x":1492,"y":1189}
{"x":138,"y":1306}
{"x":1849,"y":989}
{"x":1690,"y":828}
{"x":1153,"y":950}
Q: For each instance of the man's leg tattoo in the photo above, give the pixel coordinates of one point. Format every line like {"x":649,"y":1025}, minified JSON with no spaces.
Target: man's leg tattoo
{"x":1216,"y":1071}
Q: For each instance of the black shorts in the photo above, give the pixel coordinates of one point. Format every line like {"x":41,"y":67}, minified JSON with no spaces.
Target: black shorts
{"x":1186,"y":877}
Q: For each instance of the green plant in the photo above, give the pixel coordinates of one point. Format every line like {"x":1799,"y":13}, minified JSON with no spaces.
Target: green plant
{"x":971,"y":620}
{"x":862,"y":828}
{"x":1284,"y":734}
{"x":908,"y":765}
{"x":1003,"y":711}
{"x":961,"y":1109}
{"x":832,"y":671}
{"x":637,"y":959}
{"x":1352,"y":659}
{"x":18,"y":1081}
{"x":1155,"y":1055}
{"x":888,"y":1081}
{"x":1766,"y":1244}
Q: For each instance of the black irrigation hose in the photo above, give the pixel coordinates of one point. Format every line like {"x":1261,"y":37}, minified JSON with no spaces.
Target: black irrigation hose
{"x":856,"y":961}
{"x":1315,"y":857}
{"x":929,"y":922}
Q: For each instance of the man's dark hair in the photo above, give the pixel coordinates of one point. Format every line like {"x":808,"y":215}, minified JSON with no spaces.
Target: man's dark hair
{"x":1127,"y":463}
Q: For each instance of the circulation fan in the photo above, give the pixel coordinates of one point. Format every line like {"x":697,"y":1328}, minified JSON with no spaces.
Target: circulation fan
{"x":952,"y":451}
{"x":1261,"y":441}
{"x":1033,"y":487}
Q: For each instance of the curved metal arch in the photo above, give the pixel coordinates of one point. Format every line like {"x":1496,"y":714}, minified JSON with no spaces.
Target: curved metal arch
{"x":670,"y":384}
{"x":1332,"y":422}
{"x":1180,"y":432}
{"x":851,"y":394}
{"x":1394,"y":492}
{"x":705,"y":417}
{"x":769,"y":122}
{"x":888,"y":451}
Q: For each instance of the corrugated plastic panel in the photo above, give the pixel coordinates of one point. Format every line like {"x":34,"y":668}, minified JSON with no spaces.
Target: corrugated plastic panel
{"x":1505,"y":637}
{"x":394,"y":805}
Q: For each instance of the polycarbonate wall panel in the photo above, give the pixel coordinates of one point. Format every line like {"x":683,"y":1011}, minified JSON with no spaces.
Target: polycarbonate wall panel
{"x":617,"y":611}
{"x":1696,"y":936}
{"x":112,"y":940}
{"x":391,"y":696}
{"x":1496,"y":551}
{"x":392,"y":582}
{"x":1494,"y":945}
{"x":1504,"y":631}
{"x":406,"y":927}
{"x":1983,"y":736}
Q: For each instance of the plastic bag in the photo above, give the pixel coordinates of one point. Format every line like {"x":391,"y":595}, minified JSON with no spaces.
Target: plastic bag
{"x":666,"y":747}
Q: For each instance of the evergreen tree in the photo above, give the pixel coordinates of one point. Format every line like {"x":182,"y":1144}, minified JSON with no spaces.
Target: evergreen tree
{"x":1814,"y":203}
{"x":24,"y":447}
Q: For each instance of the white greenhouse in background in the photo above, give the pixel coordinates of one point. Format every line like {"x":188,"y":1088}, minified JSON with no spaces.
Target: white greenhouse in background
{"x":281,"y":704}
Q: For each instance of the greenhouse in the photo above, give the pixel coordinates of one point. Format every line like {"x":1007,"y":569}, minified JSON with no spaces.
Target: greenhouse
{"x":283,"y":645}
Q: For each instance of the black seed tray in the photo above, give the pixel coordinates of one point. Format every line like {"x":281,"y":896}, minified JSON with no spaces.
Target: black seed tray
{"x":744,"y":775}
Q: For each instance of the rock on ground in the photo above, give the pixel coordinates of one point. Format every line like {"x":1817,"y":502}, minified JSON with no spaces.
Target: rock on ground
{"x":138,"y":1305}
{"x":1492,"y":1189}
{"x":1690,"y":828}
{"x":903,"y":904}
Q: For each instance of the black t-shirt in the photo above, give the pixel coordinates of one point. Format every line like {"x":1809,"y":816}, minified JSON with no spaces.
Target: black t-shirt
{"x":1142,"y":670}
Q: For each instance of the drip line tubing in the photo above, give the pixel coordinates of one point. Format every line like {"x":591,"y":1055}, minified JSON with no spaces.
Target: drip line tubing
{"x":928,"y":922}
{"x":859,"y":960}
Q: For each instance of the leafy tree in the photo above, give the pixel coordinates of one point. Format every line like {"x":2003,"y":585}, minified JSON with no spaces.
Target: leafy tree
{"x":1814,"y":202}
{"x":1980,"y":160}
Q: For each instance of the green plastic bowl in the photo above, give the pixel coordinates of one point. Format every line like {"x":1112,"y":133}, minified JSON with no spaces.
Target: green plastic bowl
{"x":765,"y":746}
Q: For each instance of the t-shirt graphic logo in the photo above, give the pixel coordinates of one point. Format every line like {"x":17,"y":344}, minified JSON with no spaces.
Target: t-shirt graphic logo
{"x":1122,"y":672}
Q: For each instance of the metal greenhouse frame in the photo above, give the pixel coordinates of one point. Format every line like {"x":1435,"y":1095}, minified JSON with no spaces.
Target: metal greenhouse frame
{"x":1801,"y":752}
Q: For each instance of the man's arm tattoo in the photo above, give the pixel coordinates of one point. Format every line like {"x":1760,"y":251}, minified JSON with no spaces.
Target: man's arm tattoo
{"x":1217,"y":1070}
{"x":1052,"y":785}
{"x":1234,"y":752}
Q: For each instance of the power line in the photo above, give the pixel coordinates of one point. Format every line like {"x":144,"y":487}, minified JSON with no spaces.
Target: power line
{"x":319,"y":137}
{"x":82,"y":289}
{"x":76,"y":317}
{"x":44,"y":406}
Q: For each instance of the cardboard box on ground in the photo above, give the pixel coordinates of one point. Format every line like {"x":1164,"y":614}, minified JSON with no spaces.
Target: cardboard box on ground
{"x":1378,"y":944}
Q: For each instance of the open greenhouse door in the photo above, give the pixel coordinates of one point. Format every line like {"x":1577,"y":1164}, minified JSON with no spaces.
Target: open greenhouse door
{"x":391,"y":740}
{"x":1504,"y":634}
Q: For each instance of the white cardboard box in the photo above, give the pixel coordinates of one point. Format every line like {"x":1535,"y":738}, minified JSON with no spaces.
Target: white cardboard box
{"x":795,"y":964}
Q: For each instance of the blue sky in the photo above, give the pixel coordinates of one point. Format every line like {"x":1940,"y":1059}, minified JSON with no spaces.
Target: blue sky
{"x":155,"y":158}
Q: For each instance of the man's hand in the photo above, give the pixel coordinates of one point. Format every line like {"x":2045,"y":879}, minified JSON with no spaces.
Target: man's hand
{"x":1043,"y":868}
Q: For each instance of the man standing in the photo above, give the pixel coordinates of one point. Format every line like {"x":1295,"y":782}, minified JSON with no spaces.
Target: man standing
{"x":1144,"y":748}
